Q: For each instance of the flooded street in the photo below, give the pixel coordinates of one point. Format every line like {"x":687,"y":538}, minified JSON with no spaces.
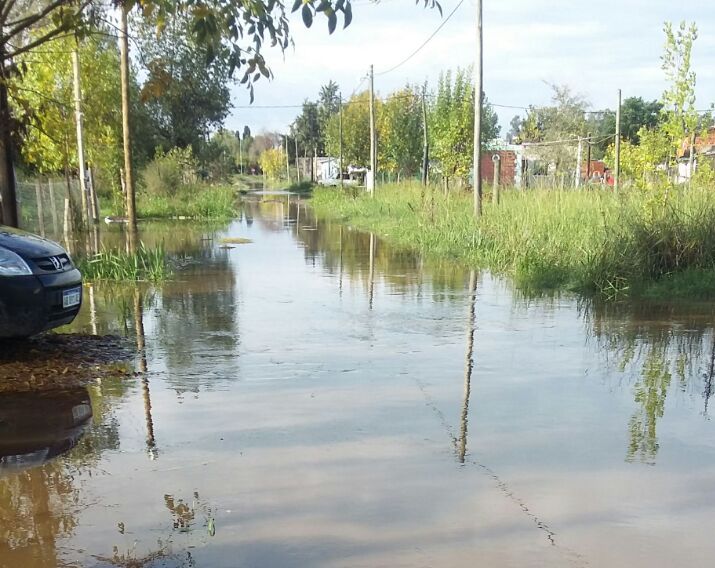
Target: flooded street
{"x":315,"y":398}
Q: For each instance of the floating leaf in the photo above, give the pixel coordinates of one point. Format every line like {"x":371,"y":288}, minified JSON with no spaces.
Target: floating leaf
{"x":296,"y":5}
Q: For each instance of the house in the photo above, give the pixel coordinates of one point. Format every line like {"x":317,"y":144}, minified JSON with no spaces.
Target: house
{"x":704,"y":150}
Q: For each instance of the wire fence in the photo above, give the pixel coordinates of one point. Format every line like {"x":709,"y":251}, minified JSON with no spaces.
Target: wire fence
{"x":45,"y":205}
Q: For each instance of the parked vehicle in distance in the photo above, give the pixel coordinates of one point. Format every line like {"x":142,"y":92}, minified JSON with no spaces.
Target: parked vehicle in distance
{"x":40,"y":288}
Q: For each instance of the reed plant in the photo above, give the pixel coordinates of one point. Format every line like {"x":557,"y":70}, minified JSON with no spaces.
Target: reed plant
{"x":146,"y":264}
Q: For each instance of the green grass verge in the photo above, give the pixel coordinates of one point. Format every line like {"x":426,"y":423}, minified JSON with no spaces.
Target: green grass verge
{"x":659,"y":244}
{"x":202,"y":202}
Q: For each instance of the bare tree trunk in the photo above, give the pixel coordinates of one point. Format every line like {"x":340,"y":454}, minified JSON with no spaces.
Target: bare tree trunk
{"x":8,"y":191}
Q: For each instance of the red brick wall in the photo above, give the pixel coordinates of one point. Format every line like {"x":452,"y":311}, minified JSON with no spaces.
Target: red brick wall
{"x":507,"y":174}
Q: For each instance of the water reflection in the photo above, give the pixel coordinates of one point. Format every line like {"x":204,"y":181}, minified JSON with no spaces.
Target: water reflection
{"x":651,"y":344}
{"x":468,"y":367}
{"x":312,"y":391}
{"x":37,"y":427}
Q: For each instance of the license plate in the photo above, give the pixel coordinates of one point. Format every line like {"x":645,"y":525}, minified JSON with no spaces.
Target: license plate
{"x":71,"y":297}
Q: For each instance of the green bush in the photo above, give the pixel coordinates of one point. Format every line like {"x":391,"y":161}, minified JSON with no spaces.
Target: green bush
{"x":171,"y":173}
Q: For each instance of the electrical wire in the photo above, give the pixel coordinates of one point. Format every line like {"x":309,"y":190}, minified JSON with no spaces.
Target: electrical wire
{"x":416,"y":51}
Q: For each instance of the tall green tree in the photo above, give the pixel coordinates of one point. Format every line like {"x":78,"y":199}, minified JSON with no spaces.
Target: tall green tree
{"x":680,"y":119}
{"x":185,"y":97}
{"x":400,"y":131}
{"x":42,"y":99}
{"x":451,"y":125}
{"x":307,"y":129}
{"x":356,"y":130}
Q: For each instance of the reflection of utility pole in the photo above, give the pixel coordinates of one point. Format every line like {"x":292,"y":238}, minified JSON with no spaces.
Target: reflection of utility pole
{"x":371,"y":281}
{"x":468,"y":366}
{"x":143,"y":367}
{"x":709,"y":377}
{"x":92,"y":310}
{"x":340,"y":274}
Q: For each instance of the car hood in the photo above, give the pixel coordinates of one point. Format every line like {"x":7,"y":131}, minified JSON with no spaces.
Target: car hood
{"x":26,"y":244}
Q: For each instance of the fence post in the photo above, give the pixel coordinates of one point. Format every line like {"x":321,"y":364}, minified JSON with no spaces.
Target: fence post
{"x":496,"y":158}
{"x":53,"y":207}
{"x":40,"y":208}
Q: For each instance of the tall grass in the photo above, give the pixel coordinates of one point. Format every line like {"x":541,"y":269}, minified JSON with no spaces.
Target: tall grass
{"x":150,"y":265}
{"x":593,"y":241}
{"x":201,"y":202}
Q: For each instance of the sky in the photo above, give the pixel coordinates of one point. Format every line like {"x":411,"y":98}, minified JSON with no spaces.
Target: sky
{"x":595,"y":47}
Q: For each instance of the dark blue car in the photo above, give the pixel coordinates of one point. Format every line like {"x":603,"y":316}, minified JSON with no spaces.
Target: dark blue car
{"x":40,"y":288}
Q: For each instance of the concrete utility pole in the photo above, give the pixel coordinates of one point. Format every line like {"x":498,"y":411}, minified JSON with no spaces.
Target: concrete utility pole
{"x":340,"y":96}
{"x":240,"y":155}
{"x":128,"y":170}
{"x":287,"y":161}
{"x":588,"y":159}
{"x":425,"y":141}
{"x":373,"y":141}
{"x":579,"y":153}
{"x":617,"y":179}
{"x":297,"y":167}
{"x":80,"y":136}
{"x":478,"y":88}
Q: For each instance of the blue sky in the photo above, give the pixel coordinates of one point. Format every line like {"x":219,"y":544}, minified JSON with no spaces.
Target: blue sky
{"x":594,"y":47}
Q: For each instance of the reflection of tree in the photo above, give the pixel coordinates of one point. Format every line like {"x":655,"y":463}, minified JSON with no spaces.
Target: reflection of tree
{"x":650,"y":393}
{"x":653,"y":343}
{"x":196,"y":321}
{"x":37,"y":508}
{"x":343,"y":251}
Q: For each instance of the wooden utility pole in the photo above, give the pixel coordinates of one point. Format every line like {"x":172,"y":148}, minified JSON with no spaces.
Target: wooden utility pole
{"x":80,"y":136}
{"x":478,"y":88}
{"x":373,"y":141}
{"x":340,"y":110}
{"x":240,"y":155}
{"x":425,"y":139}
{"x":617,"y":179}
{"x":128,"y":171}
{"x":588,"y":159}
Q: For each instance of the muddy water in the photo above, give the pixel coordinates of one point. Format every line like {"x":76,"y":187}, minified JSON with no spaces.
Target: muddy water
{"x":316,"y":398}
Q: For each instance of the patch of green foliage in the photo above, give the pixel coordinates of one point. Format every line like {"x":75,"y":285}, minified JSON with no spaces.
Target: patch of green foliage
{"x":597,"y":243}
{"x":146,"y":264}
{"x":203,"y":202}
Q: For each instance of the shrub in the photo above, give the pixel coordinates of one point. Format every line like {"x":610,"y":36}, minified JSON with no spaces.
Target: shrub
{"x":171,"y":173}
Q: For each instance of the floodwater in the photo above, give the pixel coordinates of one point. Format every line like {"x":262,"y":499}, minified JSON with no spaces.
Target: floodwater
{"x":316,"y":398}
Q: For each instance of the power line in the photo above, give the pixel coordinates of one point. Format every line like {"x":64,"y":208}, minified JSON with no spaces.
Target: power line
{"x":416,"y":51}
